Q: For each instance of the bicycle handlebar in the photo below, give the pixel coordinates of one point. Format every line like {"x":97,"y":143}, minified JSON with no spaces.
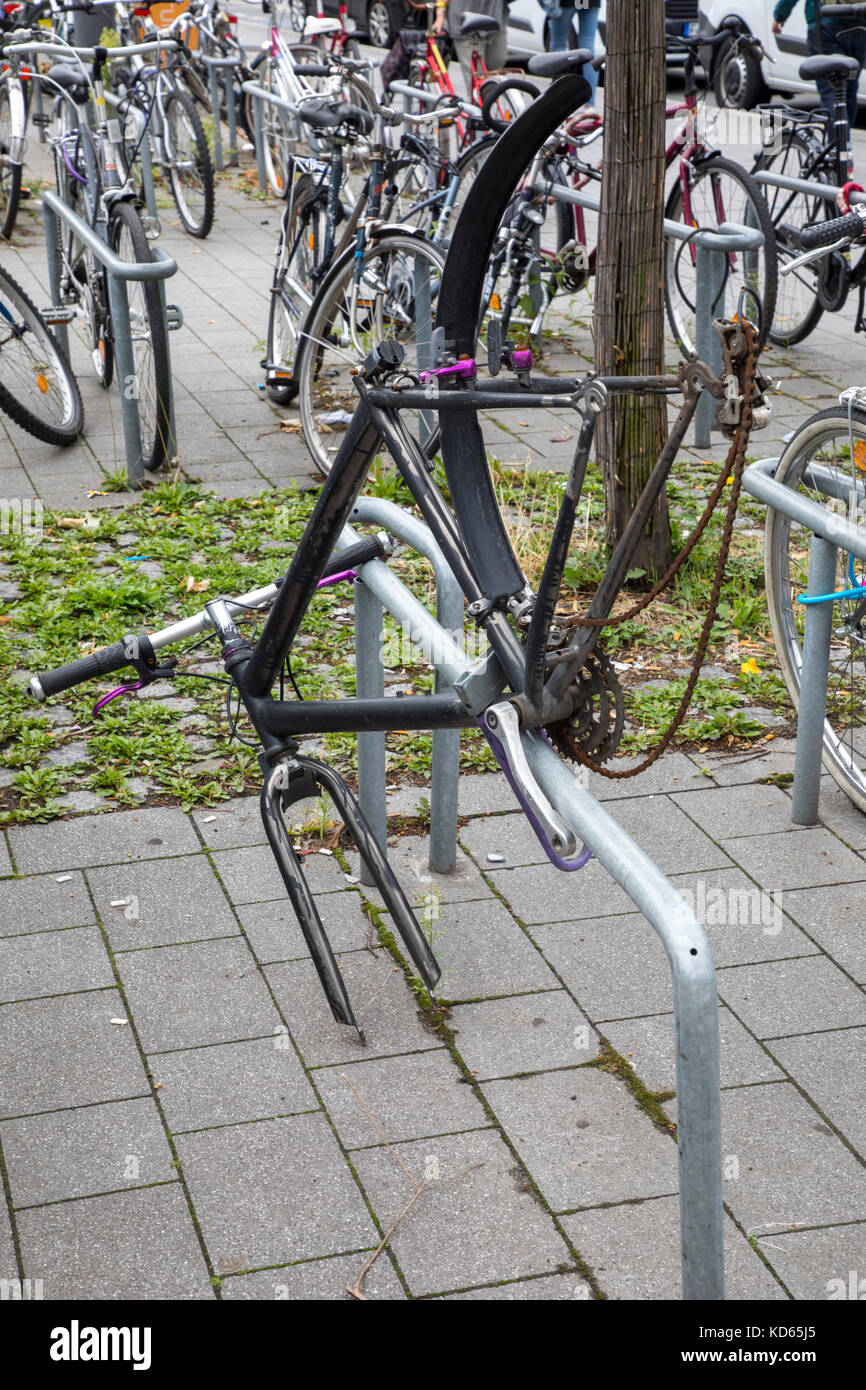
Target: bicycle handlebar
{"x":852,"y":226}
{"x":101,"y":663}
{"x":56,"y":50}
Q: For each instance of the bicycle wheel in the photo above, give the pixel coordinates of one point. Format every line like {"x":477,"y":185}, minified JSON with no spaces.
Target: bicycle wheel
{"x":821,"y":465}
{"x":83,"y":281}
{"x":278,"y":131}
{"x":396,"y":298}
{"x":721,"y":191}
{"x":10,"y":174}
{"x":190,"y":170}
{"x":302,"y":238}
{"x":151,"y":384}
{"x":37,"y":387}
{"x":798,"y":308}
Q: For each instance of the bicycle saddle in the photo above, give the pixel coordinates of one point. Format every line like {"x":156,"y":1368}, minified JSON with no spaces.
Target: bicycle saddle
{"x":315,"y":24}
{"x":477,"y":24}
{"x":555,"y":64}
{"x":830,"y":66}
{"x":72,"y":80}
{"x":327,"y":114}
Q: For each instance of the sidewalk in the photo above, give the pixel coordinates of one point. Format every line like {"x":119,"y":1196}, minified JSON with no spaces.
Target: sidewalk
{"x":177,"y":1120}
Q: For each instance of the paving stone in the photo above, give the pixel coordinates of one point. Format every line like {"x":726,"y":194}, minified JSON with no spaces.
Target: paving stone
{"x":793,"y":1170}
{"x":588,"y":957}
{"x":634,"y":1252}
{"x":834,"y":918}
{"x":83,"y":801}
{"x":606,"y":1149}
{"x":724,"y":812}
{"x":5,"y":861}
{"x":275,"y":934}
{"x":251,"y":875}
{"x":667,"y":835}
{"x":822,"y":1264}
{"x":829,"y":1067}
{"x":410,"y":861}
{"x":32,"y":904}
{"x":802,"y":858}
{"x":129,"y":1245}
{"x":76,"y":1153}
{"x":65,"y":1051}
{"x":229,"y":1083}
{"x":511,"y":836}
{"x":187,"y":996}
{"x":8,"y":1260}
{"x":549,"y":1288}
{"x":166,"y":901}
{"x":231,"y":824}
{"x":273,"y":1191}
{"x":53,"y":962}
{"x":318,"y":1279}
{"x":840,"y":815}
{"x":527,"y":1033}
{"x":121,"y":837}
{"x":730,"y":771}
{"x":743,"y":923}
{"x":792,"y":996}
{"x":383,"y":1006}
{"x":409,"y":1097}
{"x":482,"y":952}
{"x":648,"y":1045}
{"x":541,"y":893}
{"x":469,"y":1226}
{"x":673,"y":772}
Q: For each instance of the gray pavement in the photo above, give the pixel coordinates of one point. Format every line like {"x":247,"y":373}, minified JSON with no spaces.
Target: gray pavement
{"x":182,"y":1119}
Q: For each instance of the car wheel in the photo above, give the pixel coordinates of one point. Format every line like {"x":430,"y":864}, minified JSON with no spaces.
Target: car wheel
{"x":379,"y":24}
{"x":738,"y":80}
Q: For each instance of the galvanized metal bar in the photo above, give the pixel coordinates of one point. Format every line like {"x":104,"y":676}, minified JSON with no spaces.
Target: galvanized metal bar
{"x":159,"y":269}
{"x":259,"y":138}
{"x":728,"y":236}
{"x":213,"y":87}
{"x":832,"y":526}
{"x":710,"y":273}
{"x":814,"y":674}
{"x":370,"y":684}
{"x":126,"y":382}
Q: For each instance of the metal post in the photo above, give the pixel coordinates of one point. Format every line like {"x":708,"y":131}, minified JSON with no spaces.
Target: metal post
{"x":126,"y":382}
{"x":813,"y":684}
{"x":370,"y":684}
{"x":172,"y":424}
{"x":144,"y":154}
{"x":259,"y":137}
{"x":446,"y":742}
{"x":52,"y":252}
{"x":710,"y":275}
{"x":36,"y":88}
{"x":231,"y":114}
{"x":213,"y":84}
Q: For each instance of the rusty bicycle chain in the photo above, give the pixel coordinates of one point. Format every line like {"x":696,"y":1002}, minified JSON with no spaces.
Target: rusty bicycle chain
{"x":733,"y":467}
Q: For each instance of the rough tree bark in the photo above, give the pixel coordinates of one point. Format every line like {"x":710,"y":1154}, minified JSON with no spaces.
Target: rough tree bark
{"x":629,"y":328}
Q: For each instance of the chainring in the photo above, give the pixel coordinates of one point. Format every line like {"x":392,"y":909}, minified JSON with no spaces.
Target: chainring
{"x":596,"y":726}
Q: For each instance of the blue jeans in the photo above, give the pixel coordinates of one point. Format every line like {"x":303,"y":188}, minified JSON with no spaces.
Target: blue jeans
{"x":587,"y":28}
{"x":851,"y":42}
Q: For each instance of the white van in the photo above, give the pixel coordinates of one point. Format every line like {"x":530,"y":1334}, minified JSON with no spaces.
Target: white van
{"x":748,"y":81}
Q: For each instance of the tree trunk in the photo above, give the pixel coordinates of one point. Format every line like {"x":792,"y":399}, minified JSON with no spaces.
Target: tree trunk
{"x":630,"y":267}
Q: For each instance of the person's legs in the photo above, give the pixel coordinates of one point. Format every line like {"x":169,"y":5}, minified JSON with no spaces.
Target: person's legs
{"x":825,"y":45}
{"x":854,"y":42}
{"x":463,"y":48}
{"x":560,"y":28}
{"x":587,"y":28}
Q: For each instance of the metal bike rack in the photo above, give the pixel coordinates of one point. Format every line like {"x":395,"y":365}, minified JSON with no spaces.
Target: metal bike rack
{"x":410,"y":94}
{"x":217,"y":68}
{"x":694,"y":982}
{"x":828,"y":191}
{"x":371,"y":684}
{"x":118,"y":272}
{"x":830,"y":532}
{"x":259,"y":95}
{"x":712,"y":244}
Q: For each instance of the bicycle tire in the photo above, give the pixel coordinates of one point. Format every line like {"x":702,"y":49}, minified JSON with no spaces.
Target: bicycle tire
{"x":302,"y":235}
{"x":798,"y":308}
{"x":823,"y":439}
{"x":10,"y":174}
{"x":48,"y":370}
{"x":196,"y":215}
{"x":84,"y":275}
{"x":152,"y":378}
{"x":387,"y":298}
{"x":721,"y":190}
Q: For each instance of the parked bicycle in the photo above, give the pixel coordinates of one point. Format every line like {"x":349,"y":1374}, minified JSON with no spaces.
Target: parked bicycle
{"x":37,"y":387}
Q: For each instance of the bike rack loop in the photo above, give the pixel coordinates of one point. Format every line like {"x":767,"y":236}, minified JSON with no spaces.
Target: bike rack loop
{"x":213,"y":65}
{"x":712,"y":243}
{"x":118,"y":273}
{"x":830,"y":531}
{"x":699,"y":1143}
{"x":371,"y":684}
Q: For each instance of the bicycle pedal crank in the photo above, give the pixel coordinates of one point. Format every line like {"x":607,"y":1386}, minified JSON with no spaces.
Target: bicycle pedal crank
{"x":596,"y":726}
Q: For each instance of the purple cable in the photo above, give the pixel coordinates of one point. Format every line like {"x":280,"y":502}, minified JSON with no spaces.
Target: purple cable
{"x":569,"y":866}
{"x":336,"y":578}
{"x":113,"y":694}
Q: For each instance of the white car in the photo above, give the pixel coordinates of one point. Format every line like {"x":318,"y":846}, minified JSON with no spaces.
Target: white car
{"x":529,"y":26}
{"x":744,"y":79}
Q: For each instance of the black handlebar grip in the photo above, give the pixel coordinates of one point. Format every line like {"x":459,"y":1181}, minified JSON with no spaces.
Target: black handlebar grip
{"x":510,"y":84}
{"x":825,"y":233}
{"x":86,"y":668}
